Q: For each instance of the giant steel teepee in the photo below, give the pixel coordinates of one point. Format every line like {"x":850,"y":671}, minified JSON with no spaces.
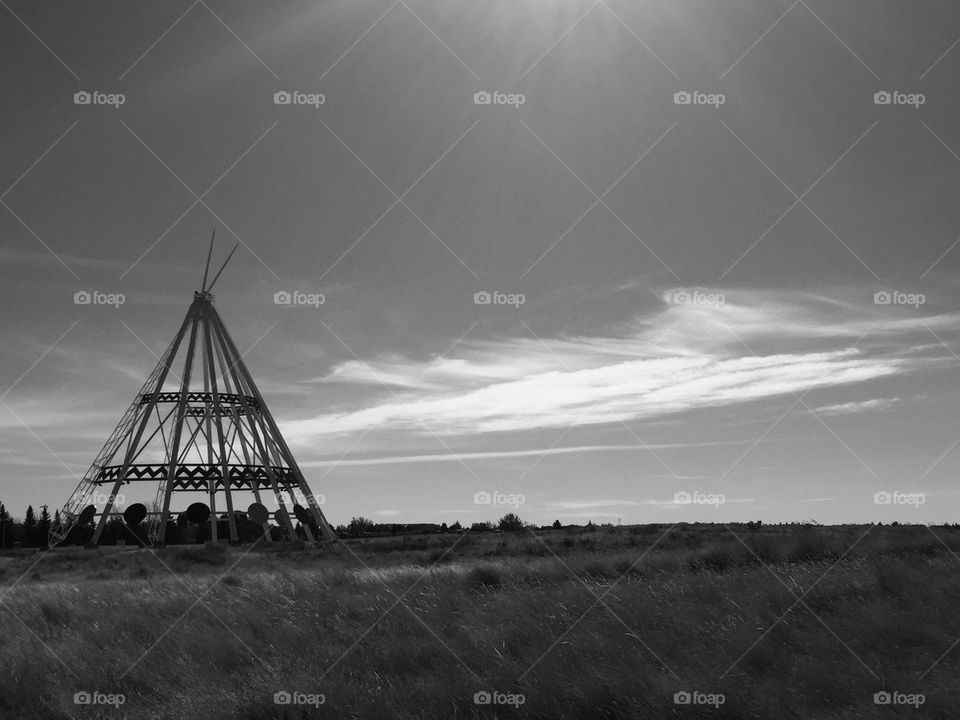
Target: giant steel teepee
{"x":198,"y":427}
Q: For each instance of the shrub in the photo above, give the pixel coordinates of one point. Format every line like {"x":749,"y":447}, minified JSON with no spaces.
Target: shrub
{"x":765,"y":549}
{"x":439,"y":555}
{"x":485,"y":577}
{"x":510,"y":522}
{"x":718,"y":559}
{"x":810,"y":546}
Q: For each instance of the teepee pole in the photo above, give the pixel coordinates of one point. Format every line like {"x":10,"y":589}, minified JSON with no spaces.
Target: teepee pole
{"x":322,"y":523}
{"x":213,"y":282}
{"x":203,"y":285}
{"x":244,"y":389}
{"x":205,"y":420}
{"x":145,"y":418}
{"x":244,"y":444}
{"x":174,"y":459}
{"x":211,"y":371}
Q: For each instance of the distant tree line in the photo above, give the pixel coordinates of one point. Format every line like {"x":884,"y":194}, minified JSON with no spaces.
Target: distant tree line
{"x":362,"y":527}
{"x":32,"y":531}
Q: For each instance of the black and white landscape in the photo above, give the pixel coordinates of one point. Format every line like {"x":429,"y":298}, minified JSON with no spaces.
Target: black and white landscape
{"x":544,"y":358}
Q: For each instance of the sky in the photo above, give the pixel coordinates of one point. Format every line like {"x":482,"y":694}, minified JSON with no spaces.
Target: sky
{"x":748,"y":300}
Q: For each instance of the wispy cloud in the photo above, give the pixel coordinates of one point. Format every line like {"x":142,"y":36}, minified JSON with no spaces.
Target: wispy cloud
{"x":622,"y":391}
{"x":856,"y":407}
{"x":679,"y":358}
{"x":590,"y":504}
{"x":495,"y":454}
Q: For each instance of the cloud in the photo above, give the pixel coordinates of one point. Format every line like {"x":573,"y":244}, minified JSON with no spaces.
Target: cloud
{"x":620,"y":391}
{"x":495,"y":454}
{"x":677,"y":359}
{"x":855,"y":407}
{"x":589,"y":504}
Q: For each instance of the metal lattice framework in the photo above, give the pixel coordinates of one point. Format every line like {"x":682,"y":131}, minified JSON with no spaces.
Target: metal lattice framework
{"x":211,"y":435}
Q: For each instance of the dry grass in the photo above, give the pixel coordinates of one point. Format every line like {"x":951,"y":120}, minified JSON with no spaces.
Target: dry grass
{"x":694,"y":609}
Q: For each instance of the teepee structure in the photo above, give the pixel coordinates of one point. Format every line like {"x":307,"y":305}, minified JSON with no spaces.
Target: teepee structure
{"x":198,"y":427}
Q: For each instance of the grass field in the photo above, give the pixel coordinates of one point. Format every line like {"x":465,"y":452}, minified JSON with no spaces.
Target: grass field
{"x":780,"y":622}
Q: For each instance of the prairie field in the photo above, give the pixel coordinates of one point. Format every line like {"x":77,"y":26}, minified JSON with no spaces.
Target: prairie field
{"x":684,"y":621}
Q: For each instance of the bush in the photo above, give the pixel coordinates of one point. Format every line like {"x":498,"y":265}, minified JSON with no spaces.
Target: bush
{"x":810,"y":546}
{"x":510,"y":523}
{"x":718,"y":559}
{"x":765,"y":549}
{"x":439,"y":555}
{"x":485,"y":577}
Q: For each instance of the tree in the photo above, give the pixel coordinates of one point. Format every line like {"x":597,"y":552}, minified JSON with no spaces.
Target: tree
{"x":29,"y":528}
{"x":456,"y":526}
{"x":43,"y":526}
{"x":484,"y":526}
{"x":6,"y":528}
{"x":556,"y":525}
{"x":359,"y":525}
{"x":510,"y":523}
